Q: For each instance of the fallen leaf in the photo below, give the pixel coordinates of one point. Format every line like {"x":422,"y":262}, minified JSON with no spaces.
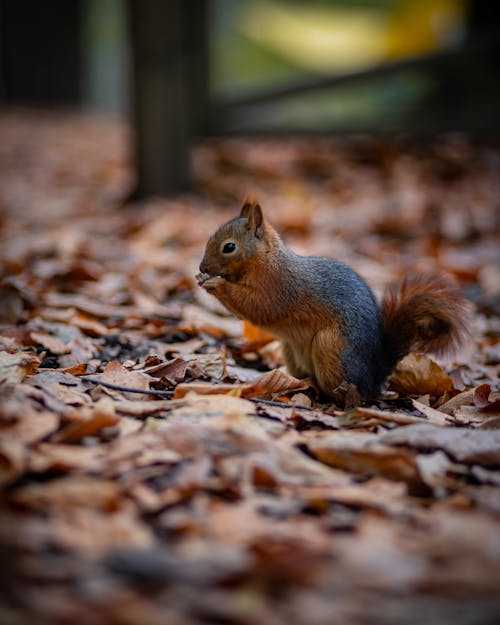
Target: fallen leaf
{"x":88,"y":325}
{"x":88,"y":423}
{"x":461,"y":444}
{"x":208,"y":365}
{"x":52,"y":343}
{"x":242,"y":374}
{"x":272,"y":354}
{"x":301,"y":399}
{"x":77,"y":369}
{"x":116,"y":373}
{"x":67,"y":388}
{"x":67,"y":458}
{"x":481,"y":395}
{"x":174,"y":371}
{"x":434,"y":416}
{"x":418,"y":374}
{"x":383,"y":416}
{"x":378,"y":494}
{"x":434,"y":469}
{"x":365,"y":455}
{"x":16,"y":366}
{"x":255,"y":337}
{"x":67,"y":493}
{"x":466,"y":398}
{"x":277,"y":381}
{"x":206,"y":388}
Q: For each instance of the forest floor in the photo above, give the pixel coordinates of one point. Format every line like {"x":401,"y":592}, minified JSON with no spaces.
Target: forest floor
{"x":233,"y":495}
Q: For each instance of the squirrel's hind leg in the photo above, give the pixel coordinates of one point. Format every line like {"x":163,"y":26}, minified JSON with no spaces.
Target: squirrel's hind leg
{"x":326,"y":348}
{"x":292,"y":364}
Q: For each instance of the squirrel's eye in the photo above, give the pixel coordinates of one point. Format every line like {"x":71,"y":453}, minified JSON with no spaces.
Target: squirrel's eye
{"x":229,"y":248}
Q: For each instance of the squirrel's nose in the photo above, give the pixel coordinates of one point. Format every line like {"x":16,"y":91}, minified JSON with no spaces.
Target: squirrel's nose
{"x":204,"y":267}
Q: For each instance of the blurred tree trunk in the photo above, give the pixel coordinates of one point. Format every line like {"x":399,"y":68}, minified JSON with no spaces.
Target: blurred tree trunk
{"x":467,"y":94}
{"x":169,"y":89}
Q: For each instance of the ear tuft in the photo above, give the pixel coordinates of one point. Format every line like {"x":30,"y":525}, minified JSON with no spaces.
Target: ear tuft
{"x":249,"y":201}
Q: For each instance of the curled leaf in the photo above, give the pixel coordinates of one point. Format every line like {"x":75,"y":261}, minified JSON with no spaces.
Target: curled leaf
{"x":418,"y":374}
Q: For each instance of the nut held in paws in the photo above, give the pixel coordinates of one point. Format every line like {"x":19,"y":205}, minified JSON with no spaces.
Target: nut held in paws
{"x":202,"y":278}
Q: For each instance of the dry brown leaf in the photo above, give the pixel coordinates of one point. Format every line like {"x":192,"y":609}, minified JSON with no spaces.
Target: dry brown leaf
{"x":77,"y":369}
{"x":473,"y":406}
{"x":301,"y":399}
{"x":434,"y":469}
{"x":16,"y":366}
{"x":380,"y":494}
{"x":461,"y":444}
{"x":208,"y":365}
{"x":32,"y":427}
{"x":173,"y":371}
{"x":82,"y":350}
{"x":52,"y":343}
{"x":142,"y":408}
{"x":486,"y":401}
{"x":67,"y":493}
{"x":242,"y":374}
{"x":466,"y":398}
{"x":265,"y":385}
{"x":272,"y":354}
{"x":116,"y":373}
{"x":88,"y":325}
{"x":67,"y":388}
{"x":383,"y":416}
{"x":255,"y":337}
{"x":67,"y":458}
{"x":88,"y":422}
{"x":365,"y":455}
{"x":481,"y":395}
{"x":434,"y":416}
{"x":206,"y":388}
{"x":277,"y":381}
{"x":418,"y":374}
{"x":23,"y":420}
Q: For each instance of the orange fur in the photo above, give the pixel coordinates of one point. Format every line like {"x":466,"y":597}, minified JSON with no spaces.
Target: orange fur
{"x":425,"y":314}
{"x":327,"y":347}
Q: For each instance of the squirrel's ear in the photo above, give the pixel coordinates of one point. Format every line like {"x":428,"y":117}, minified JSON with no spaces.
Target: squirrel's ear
{"x":248,"y":202}
{"x":245,"y":209}
{"x":256,"y":220}
{"x":252,"y":211}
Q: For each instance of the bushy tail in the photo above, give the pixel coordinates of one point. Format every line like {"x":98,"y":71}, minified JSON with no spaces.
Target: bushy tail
{"x":425,"y":314}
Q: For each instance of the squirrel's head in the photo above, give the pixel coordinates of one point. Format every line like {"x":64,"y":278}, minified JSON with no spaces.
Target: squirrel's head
{"x":239,"y":244}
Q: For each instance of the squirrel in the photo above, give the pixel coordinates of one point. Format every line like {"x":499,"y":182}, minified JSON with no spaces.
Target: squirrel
{"x":330,"y":325}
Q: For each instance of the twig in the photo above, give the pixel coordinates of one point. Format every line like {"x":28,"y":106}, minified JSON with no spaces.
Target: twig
{"x":282,"y":404}
{"x":118,"y":387}
{"x":255,"y":400}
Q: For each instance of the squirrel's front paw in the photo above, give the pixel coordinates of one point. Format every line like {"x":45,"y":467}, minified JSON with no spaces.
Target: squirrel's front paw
{"x":213,"y":283}
{"x":201,"y":278}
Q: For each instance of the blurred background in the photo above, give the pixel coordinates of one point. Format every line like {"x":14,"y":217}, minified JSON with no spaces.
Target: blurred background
{"x":182,"y":70}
